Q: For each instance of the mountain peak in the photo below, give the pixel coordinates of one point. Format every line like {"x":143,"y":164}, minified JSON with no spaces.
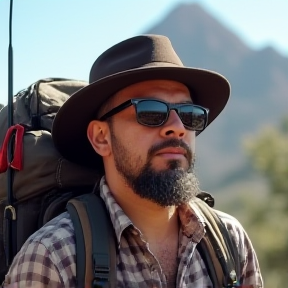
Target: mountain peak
{"x":201,"y":33}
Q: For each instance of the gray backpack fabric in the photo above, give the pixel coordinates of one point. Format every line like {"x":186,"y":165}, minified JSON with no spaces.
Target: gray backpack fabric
{"x":43,"y":180}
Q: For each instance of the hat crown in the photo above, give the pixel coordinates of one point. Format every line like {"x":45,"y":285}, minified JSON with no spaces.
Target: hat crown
{"x":133,"y":53}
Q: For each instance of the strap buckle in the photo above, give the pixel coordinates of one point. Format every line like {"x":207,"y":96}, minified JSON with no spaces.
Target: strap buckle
{"x":12,"y":214}
{"x":101,"y":270}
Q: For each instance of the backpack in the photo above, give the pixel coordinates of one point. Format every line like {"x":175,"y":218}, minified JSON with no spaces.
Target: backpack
{"x":42,"y":179}
{"x":45,"y":185}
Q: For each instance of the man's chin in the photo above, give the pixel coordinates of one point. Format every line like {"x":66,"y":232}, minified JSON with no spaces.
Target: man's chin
{"x":170,"y":185}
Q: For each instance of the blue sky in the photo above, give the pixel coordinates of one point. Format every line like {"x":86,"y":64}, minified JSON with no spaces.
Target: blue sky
{"x":62,"y":38}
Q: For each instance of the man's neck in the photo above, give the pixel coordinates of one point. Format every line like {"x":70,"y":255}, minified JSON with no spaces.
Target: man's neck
{"x":154,"y":221}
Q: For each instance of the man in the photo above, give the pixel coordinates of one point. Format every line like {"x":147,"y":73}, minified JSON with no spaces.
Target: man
{"x":140,"y":115}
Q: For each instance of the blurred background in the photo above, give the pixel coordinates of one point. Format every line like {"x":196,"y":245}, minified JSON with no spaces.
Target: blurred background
{"x":242,"y":158}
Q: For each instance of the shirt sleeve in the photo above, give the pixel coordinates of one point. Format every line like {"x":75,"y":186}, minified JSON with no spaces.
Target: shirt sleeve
{"x":33,"y":267}
{"x":250,"y":273}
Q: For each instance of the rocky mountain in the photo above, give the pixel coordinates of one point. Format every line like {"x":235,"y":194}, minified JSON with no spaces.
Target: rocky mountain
{"x":259,"y":83}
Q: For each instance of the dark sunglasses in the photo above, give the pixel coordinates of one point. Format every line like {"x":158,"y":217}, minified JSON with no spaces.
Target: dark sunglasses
{"x":154,"y":113}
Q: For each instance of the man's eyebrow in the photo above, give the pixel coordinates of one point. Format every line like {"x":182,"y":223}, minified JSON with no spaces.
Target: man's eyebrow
{"x":187,"y":101}
{"x":157,"y":98}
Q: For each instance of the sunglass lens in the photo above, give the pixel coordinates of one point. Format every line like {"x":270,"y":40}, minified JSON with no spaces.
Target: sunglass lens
{"x":193,"y":117}
{"x":151,"y":112}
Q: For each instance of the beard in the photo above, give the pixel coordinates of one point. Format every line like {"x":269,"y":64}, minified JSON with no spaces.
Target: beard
{"x":172,"y":186}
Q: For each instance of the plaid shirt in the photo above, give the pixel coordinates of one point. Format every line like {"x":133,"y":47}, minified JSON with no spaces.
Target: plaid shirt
{"x":47,"y":259}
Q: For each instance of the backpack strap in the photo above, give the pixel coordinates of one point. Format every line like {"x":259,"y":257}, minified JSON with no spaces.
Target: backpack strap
{"x":217,"y":249}
{"x":95,"y":242}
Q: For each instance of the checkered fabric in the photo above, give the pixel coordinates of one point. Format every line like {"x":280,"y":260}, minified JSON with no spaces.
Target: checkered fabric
{"x":47,"y":259}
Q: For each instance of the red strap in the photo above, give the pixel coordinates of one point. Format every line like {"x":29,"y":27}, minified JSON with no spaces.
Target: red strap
{"x":17,"y":162}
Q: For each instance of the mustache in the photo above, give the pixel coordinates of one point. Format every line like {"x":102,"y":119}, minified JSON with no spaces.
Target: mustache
{"x":172,"y":143}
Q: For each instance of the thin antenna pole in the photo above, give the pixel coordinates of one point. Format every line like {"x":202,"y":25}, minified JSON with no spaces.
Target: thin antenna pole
{"x":10,"y":107}
{"x":11,"y":232}
{"x":10,"y":70}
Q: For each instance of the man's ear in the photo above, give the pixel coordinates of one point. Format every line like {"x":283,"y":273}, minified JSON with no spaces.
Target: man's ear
{"x":98,"y":133}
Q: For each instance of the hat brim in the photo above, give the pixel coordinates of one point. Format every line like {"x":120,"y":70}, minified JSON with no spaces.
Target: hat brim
{"x":69,"y":131}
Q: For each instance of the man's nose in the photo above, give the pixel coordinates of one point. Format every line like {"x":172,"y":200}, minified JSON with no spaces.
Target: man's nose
{"x":173,"y":126}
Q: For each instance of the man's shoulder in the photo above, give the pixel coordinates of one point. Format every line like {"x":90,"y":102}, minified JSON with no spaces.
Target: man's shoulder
{"x":229,"y":220}
{"x":49,"y":251}
{"x":58,"y":229}
{"x":226,"y":217}
{"x":234,"y":227}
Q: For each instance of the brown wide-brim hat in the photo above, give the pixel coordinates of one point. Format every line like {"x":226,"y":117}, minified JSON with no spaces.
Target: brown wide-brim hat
{"x":141,"y":58}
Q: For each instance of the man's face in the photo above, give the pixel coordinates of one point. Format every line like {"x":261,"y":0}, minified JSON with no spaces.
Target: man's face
{"x":156,"y":162}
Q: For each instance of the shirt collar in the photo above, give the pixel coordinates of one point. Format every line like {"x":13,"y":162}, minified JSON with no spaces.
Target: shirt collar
{"x":192,"y":225}
{"x":119,"y":219}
